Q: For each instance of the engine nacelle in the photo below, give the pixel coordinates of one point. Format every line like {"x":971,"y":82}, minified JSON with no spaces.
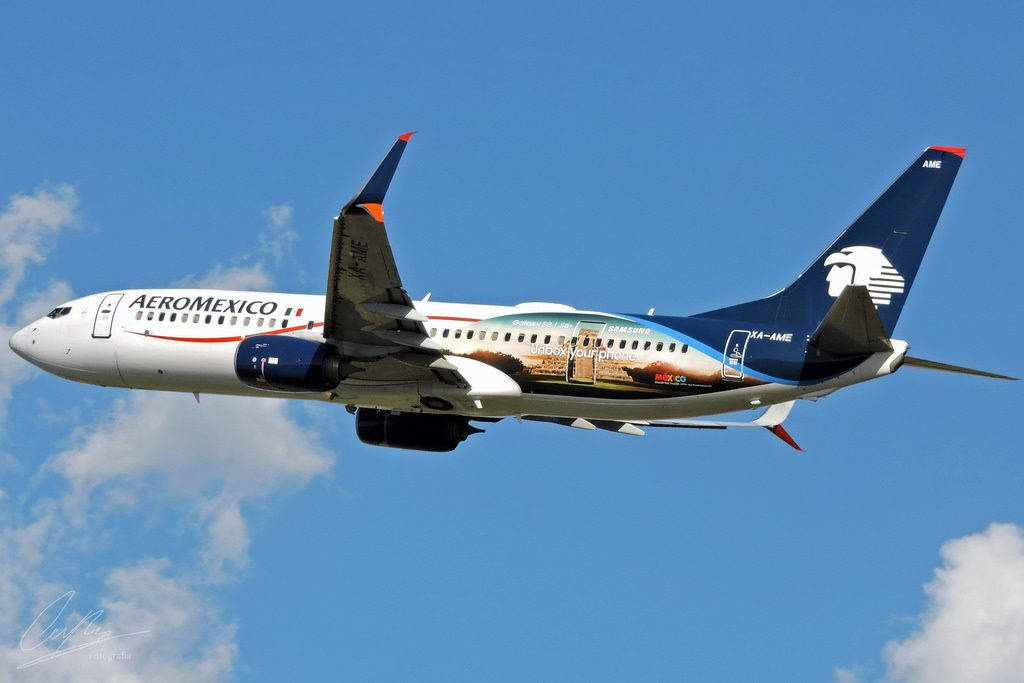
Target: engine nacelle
{"x":415,"y":431}
{"x":279,"y":363}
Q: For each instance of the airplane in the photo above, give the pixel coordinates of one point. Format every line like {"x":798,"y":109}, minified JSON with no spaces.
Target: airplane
{"x":418,"y":374}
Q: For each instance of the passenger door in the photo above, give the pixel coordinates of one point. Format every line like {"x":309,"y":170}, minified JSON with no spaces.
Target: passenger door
{"x":105,"y":316}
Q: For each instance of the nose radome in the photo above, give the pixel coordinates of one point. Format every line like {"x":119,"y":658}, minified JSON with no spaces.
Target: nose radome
{"x":19,"y":343}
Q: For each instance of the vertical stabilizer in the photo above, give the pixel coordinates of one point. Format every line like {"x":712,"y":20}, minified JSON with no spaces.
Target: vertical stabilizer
{"x":881,"y":250}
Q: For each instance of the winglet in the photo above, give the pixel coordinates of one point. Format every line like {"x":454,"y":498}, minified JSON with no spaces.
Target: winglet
{"x":772,"y":421}
{"x":780,"y":431}
{"x":377,"y":186}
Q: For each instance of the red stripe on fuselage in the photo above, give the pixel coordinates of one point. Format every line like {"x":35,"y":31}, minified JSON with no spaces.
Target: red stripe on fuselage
{"x":450,"y":317}
{"x":221,"y":340}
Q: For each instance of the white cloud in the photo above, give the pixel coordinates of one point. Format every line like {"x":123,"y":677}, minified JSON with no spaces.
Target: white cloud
{"x":238,"y":446}
{"x":29,"y":225}
{"x":280,"y":237}
{"x":152,"y":452}
{"x":248,"y":271}
{"x":973,"y":626}
{"x":228,"y":535}
{"x":166,"y":631}
{"x":252,"y":277}
{"x":147,"y":454}
{"x":844,"y":675}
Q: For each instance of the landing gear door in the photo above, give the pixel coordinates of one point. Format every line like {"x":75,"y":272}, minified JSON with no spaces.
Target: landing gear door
{"x":105,"y":316}
{"x":734,"y":354}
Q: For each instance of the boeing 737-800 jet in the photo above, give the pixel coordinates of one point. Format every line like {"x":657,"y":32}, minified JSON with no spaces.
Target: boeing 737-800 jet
{"x":416,"y":374}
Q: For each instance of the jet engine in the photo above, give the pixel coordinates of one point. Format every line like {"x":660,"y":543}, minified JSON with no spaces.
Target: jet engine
{"x":279,"y":363}
{"x":415,"y":431}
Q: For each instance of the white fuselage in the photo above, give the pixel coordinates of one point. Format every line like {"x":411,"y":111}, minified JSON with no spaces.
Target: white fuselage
{"x":165,"y":346}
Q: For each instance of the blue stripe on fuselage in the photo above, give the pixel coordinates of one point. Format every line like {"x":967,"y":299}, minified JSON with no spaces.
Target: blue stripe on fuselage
{"x":791,"y":366}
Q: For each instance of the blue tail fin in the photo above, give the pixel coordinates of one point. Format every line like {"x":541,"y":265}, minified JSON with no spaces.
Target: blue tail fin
{"x":881,"y":250}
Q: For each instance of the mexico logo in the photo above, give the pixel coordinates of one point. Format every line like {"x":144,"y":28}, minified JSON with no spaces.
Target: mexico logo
{"x":863,"y":266}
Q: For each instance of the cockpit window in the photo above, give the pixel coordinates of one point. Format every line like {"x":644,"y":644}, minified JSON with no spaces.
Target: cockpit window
{"x":58,"y":312}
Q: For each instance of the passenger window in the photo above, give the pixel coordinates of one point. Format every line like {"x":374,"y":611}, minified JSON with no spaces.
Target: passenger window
{"x":149,"y":316}
{"x":494,"y":336}
{"x":458,"y":333}
{"x":684,"y":348}
{"x":284,"y":323}
{"x":247,"y":321}
{"x":622,"y":343}
{"x":444,"y":332}
{"x":572,"y":342}
{"x":611,"y":343}
{"x":161,"y":316}
{"x":521,"y":337}
{"x":671,"y":347}
{"x":586,"y":342}
{"x":433,"y":331}
{"x":635,"y":344}
{"x":597,"y":342}
{"x":561,"y":339}
{"x":138,"y":315}
{"x":259,"y":322}
{"x":273,"y":321}
{"x":220,"y":320}
{"x":234,"y":320}
{"x":547,"y":339}
{"x":658,"y":347}
{"x":469,"y":335}
{"x":195,"y":318}
{"x":309,"y":325}
{"x":647,"y":345}
{"x":174,"y":316}
{"x":209,"y":318}
{"x":508,"y":336}
{"x":533,"y":339}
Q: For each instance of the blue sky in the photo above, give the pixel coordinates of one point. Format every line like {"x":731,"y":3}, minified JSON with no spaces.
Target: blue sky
{"x":688,"y":158}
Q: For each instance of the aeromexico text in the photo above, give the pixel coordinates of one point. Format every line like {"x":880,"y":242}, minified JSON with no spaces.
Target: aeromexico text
{"x":205,"y":303}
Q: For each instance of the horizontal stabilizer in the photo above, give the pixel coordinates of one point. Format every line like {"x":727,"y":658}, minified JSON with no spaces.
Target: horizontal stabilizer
{"x":852,"y":325}
{"x":945,"y":367}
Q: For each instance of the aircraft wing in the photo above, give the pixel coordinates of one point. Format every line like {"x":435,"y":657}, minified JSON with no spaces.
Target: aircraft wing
{"x":368,"y":313}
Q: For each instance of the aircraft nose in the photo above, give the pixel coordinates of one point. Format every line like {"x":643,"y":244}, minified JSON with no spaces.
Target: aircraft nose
{"x":19,"y":342}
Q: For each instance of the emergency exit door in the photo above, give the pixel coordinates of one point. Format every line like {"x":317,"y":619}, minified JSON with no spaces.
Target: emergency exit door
{"x":105,"y":316}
